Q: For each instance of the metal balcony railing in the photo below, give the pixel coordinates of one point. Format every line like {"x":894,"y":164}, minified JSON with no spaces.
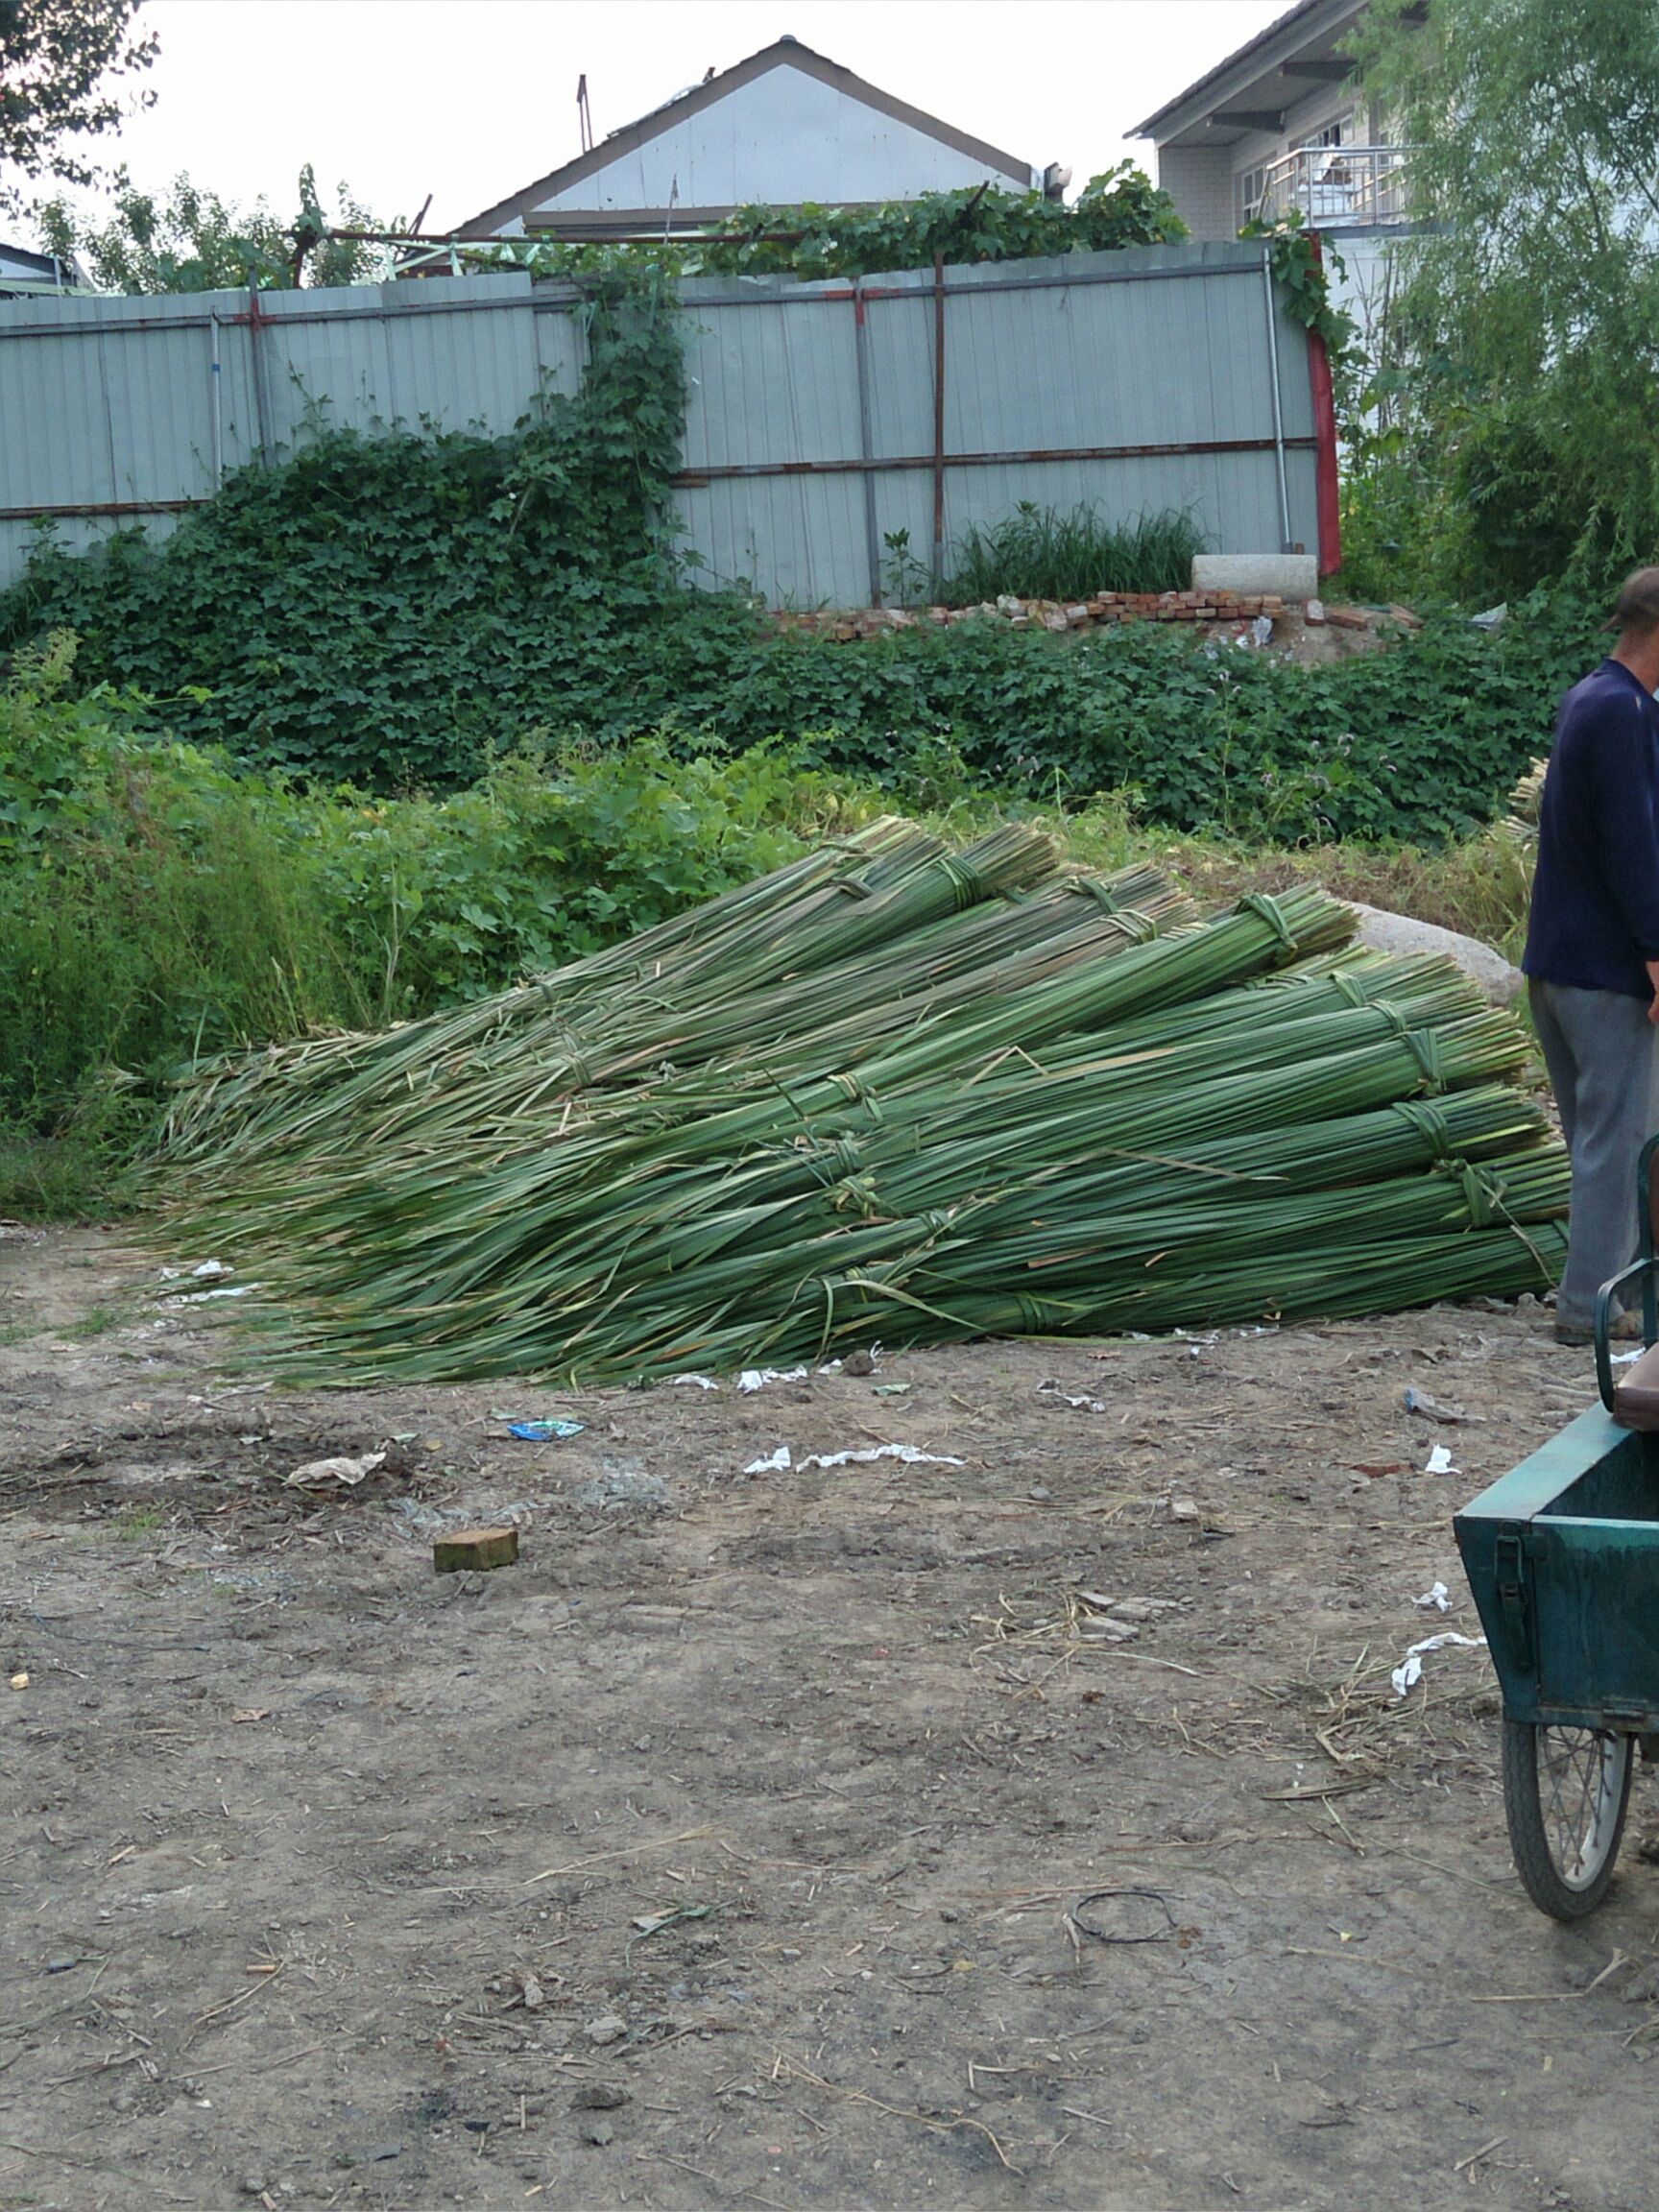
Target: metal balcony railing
{"x":1334,"y":187}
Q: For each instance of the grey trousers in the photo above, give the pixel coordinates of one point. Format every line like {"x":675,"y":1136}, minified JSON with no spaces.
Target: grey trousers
{"x":1602,"y":1054}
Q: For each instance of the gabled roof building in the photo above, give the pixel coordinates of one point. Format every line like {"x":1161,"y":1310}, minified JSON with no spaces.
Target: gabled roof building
{"x":785,"y":128}
{"x":23,"y":271}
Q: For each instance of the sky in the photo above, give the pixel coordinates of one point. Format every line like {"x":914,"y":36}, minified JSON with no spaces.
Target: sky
{"x":469,"y":100}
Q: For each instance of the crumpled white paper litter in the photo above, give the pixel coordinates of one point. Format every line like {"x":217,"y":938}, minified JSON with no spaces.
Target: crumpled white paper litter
{"x":1410,"y":1668}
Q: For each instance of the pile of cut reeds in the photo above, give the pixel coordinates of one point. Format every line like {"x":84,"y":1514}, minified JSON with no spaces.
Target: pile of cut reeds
{"x":889,"y":1093}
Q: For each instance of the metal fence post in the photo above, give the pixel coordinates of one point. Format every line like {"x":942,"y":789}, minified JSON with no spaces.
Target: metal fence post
{"x":256,"y":359}
{"x":866,"y":441}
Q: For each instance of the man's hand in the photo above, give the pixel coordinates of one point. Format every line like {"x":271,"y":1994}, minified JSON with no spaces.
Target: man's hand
{"x":1653,"y":1002}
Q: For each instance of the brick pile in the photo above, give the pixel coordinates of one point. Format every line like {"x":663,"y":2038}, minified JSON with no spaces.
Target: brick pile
{"x":1212,"y":607}
{"x":1047,"y":614}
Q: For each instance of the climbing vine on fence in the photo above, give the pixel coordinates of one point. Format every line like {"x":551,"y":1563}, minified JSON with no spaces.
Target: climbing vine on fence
{"x":1300,"y":264}
{"x":393,"y":608}
{"x":1120,"y":208}
{"x":1123,"y":207}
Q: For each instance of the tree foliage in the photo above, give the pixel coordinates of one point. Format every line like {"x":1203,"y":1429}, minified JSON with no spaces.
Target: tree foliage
{"x":1521,"y":383}
{"x":58,"y":62}
{"x":189,"y":240}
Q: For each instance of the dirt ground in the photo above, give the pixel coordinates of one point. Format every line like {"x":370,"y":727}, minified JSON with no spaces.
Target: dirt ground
{"x":801,"y":1839}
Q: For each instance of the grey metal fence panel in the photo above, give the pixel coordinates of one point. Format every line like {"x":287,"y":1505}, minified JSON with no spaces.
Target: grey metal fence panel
{"x":772,"y":383}
{"x":1133,"y":381}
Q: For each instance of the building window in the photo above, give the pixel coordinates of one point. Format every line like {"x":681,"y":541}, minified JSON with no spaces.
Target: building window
{"x":1252,"y":185}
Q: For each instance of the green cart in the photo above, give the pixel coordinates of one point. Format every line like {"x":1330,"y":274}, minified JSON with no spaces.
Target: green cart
{"x":1562,"y":1554}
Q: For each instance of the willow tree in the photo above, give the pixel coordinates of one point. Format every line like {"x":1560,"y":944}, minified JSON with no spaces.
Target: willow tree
{"x":1523,"y":360}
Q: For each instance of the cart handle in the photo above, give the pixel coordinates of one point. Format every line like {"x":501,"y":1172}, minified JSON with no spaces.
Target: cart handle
{"x":1647,"y":1268}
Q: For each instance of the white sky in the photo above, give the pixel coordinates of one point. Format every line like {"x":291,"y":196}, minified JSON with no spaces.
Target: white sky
{"x":469,"y":100}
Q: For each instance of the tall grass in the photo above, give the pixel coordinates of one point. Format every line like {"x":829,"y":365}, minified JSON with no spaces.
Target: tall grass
{"x":158,"y":906}
{"x":1040,"y":553}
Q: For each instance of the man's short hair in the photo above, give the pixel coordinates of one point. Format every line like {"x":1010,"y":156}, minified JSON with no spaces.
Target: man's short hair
{"x":1637,"y":606}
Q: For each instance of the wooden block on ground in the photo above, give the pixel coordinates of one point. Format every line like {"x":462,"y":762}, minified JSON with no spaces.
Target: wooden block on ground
{"x":479,"y":1548}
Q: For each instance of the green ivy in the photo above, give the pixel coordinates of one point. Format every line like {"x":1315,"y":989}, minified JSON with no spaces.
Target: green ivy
{"x":981,"y":223}
{"x":1120,"y":209}
{"x":1298,"y":262}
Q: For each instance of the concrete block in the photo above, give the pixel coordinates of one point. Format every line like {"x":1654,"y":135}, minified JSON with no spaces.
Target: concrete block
{"x":1294,"y":576}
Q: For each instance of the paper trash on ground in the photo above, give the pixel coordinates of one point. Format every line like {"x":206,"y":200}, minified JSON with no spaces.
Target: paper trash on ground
{"x":350,"y":1472}
{"x":1437,"y":1600}
{"x":777,"y":1463}
{"x":907,"y":1452}
{"x":692,"y":1381}
{"x":1440,"y":1462}
{"x":1410,"y":1668}
{"x":755,"y":1379}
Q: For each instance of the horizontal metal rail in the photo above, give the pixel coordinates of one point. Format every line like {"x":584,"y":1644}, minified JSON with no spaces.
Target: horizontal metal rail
{"x":695,"y":478}
{"x":690,"y":479}
{"x":103,"y":507}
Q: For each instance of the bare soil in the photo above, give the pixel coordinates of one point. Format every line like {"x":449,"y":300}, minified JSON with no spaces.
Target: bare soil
{"x":801,"y":1839}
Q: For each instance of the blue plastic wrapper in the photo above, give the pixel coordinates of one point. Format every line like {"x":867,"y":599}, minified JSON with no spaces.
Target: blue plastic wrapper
{"x":544,"y":1431}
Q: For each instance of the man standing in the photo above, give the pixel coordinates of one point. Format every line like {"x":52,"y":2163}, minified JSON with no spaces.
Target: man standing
{"x":1592,"y":956}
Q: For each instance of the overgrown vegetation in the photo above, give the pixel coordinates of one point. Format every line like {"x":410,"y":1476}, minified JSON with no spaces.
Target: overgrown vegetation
{"x":1041,"y":553}
{"x":1512,"y":416}
{"x":156,"y":904}
{"x":393,"y":612}
{"x":398,"y":613}
{"x":1121,"y":208}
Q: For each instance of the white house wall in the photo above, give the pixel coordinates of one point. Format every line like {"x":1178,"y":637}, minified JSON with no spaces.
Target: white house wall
{"x":785,"y":139}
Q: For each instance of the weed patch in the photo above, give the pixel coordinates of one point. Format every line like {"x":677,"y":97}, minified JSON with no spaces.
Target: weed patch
{"x":1038,"y":553}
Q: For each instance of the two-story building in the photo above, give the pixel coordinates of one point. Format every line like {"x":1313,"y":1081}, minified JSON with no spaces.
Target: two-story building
{"x":1281,"y":127}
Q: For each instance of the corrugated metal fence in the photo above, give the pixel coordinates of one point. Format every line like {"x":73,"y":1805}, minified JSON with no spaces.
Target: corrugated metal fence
{"x":822,"y":417}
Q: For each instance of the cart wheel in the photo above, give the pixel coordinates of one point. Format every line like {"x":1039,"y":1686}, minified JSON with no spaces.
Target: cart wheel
{"x":1565,"y":1791}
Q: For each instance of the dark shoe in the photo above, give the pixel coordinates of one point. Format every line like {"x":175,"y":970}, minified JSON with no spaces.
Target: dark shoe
{"x":1578,"y":1333}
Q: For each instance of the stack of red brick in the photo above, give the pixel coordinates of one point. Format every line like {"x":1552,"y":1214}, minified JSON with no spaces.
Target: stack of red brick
{"x":1184,"y":606}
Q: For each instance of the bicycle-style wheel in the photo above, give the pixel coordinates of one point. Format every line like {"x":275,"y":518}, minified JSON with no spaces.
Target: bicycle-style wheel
{"x":1565,"y":1794}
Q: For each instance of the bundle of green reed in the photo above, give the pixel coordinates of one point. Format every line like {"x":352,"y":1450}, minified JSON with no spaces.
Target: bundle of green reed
{"x":890,"y":1091}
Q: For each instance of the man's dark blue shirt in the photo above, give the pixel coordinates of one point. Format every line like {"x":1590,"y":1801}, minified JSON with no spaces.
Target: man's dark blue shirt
{"x":1595,"y":919}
